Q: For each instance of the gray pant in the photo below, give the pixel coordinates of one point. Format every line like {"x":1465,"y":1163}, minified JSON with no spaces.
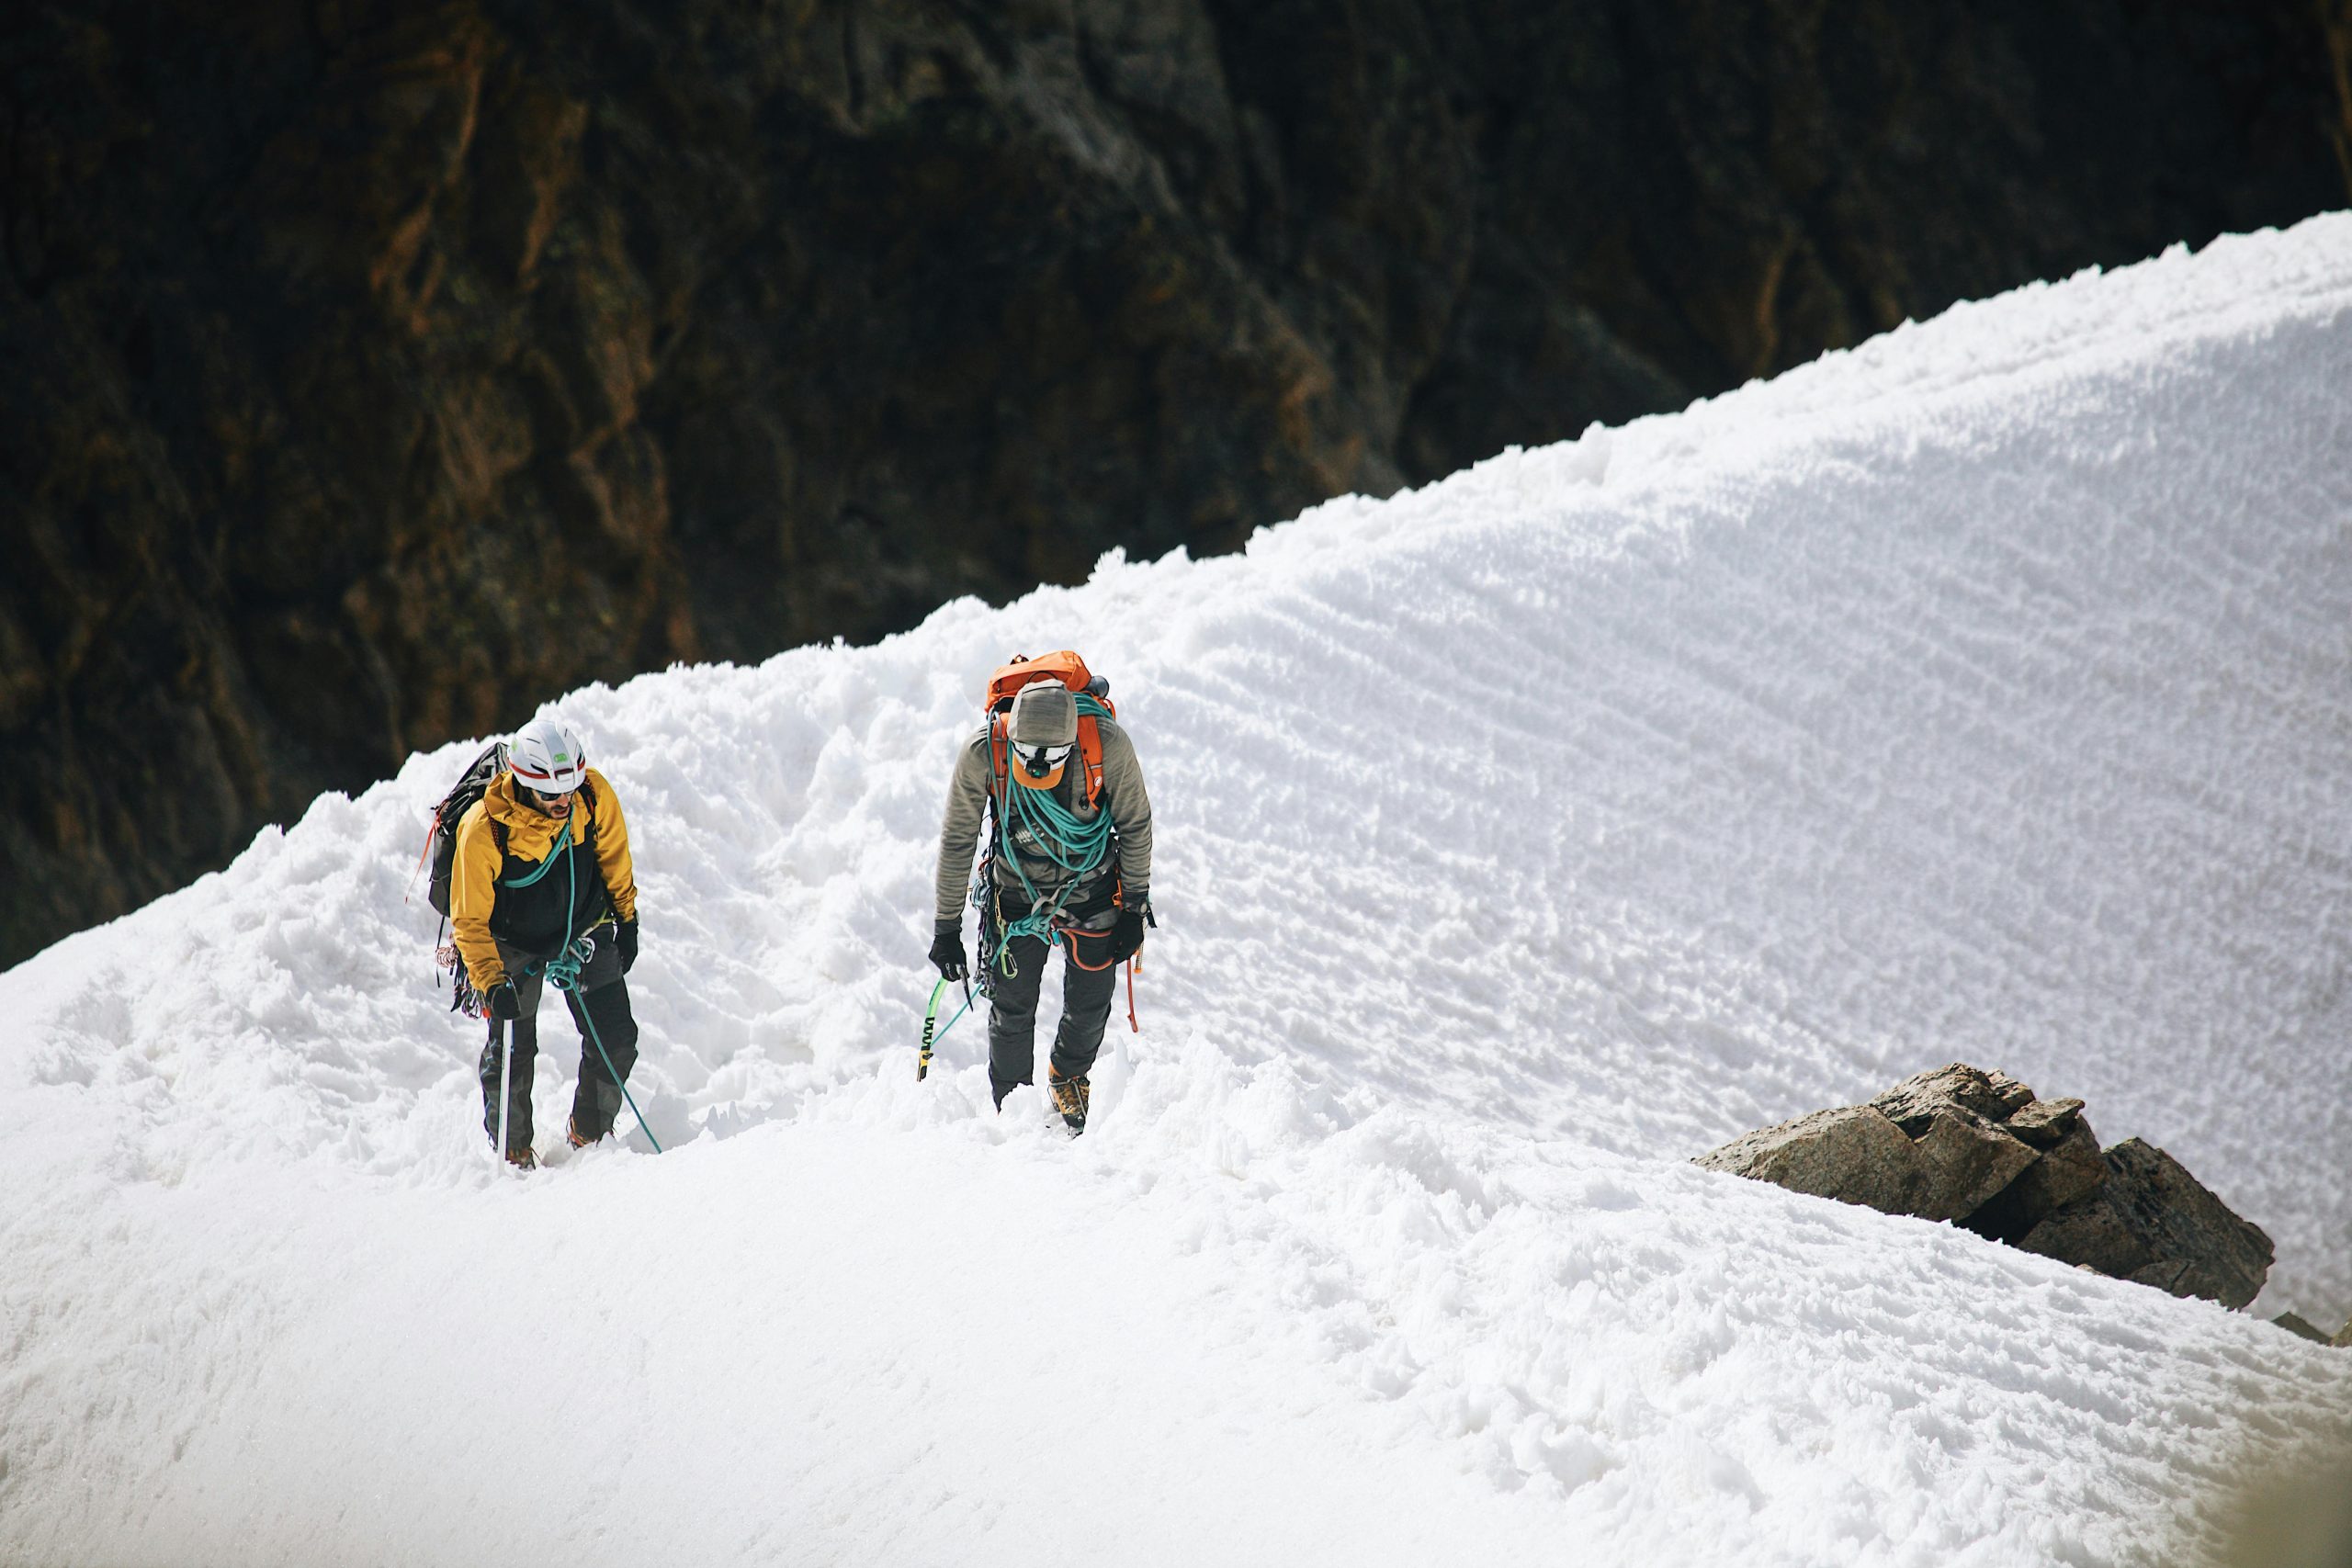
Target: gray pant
{"x":1013,"y":1008}
{"x":602,"y":999}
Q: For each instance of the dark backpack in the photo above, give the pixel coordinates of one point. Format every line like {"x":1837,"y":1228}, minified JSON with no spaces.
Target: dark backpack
{"x":471,"y":786}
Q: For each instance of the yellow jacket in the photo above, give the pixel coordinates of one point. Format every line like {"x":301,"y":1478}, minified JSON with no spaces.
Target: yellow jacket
{"x":530,"y":834}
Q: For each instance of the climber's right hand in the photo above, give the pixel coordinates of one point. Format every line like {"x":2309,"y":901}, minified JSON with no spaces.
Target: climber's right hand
{"x":948,"y":951}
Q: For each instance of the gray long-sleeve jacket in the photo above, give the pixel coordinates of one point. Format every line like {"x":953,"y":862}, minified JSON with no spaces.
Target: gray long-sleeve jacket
{"x":967,"y":803}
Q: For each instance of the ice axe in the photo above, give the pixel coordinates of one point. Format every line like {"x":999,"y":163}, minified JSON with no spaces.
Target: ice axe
{"x":932,"y":1031}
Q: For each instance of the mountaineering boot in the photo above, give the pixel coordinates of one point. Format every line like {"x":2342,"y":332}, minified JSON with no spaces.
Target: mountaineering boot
{"x":573,"y":1135}
{"x":1069,"y":1098}
{"x":523,"y":1158}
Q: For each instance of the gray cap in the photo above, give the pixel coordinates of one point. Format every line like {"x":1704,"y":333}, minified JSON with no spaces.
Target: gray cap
{"x":1045,"y":714}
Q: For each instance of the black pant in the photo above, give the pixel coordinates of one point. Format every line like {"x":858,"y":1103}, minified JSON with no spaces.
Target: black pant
{"x":1088,"y":979}
{"x":602,"y":999}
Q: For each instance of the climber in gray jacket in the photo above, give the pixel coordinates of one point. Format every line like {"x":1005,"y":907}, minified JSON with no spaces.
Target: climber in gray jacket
{"x":1069,"y":863}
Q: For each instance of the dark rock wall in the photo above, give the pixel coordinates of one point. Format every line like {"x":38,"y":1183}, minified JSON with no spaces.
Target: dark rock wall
{"x":371,"y":372}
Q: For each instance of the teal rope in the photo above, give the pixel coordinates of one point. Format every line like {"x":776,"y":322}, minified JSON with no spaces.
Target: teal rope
{"x":1073,"y":845}
{"x":562,"y":837}
{"x":563,"y":973}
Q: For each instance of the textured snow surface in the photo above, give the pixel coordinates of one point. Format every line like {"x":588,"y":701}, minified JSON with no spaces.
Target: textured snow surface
{"x":1983,"y":694}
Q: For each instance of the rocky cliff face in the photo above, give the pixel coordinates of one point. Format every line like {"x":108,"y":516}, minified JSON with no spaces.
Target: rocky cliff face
{"x":371,"y":372}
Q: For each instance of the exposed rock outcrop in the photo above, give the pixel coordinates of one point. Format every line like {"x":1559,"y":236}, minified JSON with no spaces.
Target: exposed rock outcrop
{"x":1981,"y":1150}
{"x":2154,"y":1222}
{"x":371,"y":372}
{"x":2301,"y":1328}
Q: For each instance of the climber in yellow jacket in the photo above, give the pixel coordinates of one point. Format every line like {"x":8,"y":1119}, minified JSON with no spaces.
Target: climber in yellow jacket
{"x":542,"y":877}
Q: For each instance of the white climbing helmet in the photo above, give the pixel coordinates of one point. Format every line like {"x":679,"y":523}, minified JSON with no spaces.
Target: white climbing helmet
{"x":547,"y":756}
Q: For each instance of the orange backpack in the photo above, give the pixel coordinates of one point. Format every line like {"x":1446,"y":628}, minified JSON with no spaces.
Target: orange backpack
{"x":1068,"y":669}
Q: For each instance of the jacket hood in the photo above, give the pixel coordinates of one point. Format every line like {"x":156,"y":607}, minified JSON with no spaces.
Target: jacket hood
{"x":530,"y":833}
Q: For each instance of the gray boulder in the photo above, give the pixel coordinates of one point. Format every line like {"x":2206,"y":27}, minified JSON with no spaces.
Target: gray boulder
{"x":1982,"y":1150}
{"x":2094,"y":1233}
{"x":1918,"y":1101}
{"x":1854,"y":1155}
{"x":1964,"y":1161}
{"x":1931,"y":1146}
{"x":2170,"y":1230}
{"x":2069,"y":1171}
{"x":2045,"y":1123}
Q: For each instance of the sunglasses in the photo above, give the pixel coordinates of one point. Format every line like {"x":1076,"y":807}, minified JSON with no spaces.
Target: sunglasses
{"x":553,"y":805}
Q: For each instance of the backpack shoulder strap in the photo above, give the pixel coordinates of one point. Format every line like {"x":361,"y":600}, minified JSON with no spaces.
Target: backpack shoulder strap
{"x":992,"y":842}
{"x":996,"y":753}
{"x":1089,"y":751}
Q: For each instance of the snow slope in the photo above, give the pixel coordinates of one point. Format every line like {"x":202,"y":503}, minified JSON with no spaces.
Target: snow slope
{"x":1981,"y":693}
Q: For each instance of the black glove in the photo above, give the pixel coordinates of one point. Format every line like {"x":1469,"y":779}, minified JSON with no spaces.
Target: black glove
{"x":1127,"y":933}
{"x":503,"y":1002}
{"x":948,"y":951}
{"x":625,"y":938}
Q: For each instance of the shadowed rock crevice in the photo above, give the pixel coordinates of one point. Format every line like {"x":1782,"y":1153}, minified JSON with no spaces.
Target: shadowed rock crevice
{"x":372,"y":373}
